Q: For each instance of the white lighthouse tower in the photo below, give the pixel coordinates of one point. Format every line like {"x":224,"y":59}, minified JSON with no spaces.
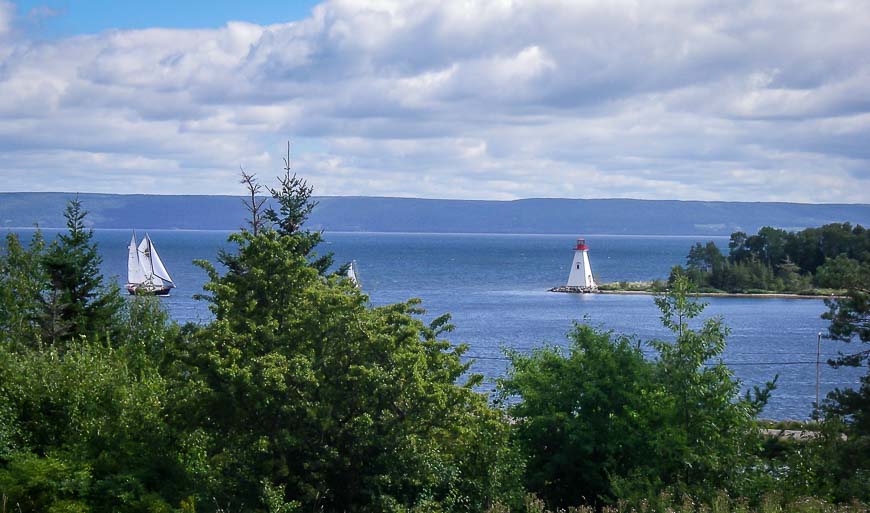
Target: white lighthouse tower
{"x":581,"y":273}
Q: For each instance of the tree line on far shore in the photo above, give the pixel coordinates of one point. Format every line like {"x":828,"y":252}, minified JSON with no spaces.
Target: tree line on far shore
{"x":833,"y":257}
{"x":299,"y":396}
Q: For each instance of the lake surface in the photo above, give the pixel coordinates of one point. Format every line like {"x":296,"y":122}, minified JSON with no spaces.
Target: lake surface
{"x":495,"y":287}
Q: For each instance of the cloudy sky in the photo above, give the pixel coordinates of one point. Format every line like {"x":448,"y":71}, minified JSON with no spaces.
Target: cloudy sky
{"x":763,"y":100}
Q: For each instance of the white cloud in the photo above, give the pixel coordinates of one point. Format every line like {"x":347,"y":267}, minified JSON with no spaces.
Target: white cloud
{"x":753,"y":100}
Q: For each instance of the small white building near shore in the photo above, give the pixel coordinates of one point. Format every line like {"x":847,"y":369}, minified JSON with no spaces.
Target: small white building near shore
{"x":581,"y":272}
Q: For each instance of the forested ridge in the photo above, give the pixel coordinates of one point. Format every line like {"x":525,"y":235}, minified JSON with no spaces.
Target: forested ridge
{"x":378,"y":214}
{"x":300,"y":396}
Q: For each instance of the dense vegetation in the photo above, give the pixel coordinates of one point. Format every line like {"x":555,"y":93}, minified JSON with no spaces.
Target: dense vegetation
{"x":625,"y":426}
{"x":299,"y":396}
{"x":831,"y":257}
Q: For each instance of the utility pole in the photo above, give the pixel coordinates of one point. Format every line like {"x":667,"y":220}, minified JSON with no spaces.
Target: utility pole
{"x":818,"y":370}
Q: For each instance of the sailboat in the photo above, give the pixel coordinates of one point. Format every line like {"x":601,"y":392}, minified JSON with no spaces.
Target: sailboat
{"x":145,"y":271}
{"x":352,"y":273}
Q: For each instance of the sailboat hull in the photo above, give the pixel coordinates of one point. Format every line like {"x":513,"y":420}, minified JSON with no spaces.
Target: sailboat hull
{"x":134,"y":289}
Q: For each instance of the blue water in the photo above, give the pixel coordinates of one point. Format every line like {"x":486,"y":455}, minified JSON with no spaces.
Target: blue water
{"x":495,"y":288}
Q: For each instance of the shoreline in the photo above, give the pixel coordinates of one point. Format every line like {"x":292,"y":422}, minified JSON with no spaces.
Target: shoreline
{"x":659,"y":287}
{"x":766,"y":295}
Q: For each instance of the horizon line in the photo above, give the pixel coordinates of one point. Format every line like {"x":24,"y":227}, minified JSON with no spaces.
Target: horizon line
{"x":780,"y":202}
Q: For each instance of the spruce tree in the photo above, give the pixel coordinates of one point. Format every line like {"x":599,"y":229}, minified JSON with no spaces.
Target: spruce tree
{"x":293,"y":198}
{"x":78,"y":302}
{"x":850,"y":321}
{"x":306,"y":397}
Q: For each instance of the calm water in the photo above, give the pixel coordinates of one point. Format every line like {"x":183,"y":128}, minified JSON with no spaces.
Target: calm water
{"x":495,"y":288}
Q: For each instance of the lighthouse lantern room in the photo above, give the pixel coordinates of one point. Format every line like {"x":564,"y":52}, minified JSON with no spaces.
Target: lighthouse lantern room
{"x":581,"y":272}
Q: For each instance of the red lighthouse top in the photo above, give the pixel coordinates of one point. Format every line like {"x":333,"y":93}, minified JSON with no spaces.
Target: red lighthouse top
{"x":581,"y":245}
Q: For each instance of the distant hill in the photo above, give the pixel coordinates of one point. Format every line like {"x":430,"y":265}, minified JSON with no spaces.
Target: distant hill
{"x":374,"y":214}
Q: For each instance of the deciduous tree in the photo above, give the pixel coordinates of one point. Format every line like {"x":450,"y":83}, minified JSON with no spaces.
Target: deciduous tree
{"x":23,"y":282}
{"x":602,"y":422}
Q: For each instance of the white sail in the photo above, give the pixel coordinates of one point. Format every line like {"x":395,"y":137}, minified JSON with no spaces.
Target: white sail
{"x":135,"y":274}
{"x":145,"y":270}
{"x":145,"y":250}
{"x":352,"y":274}
{"x":157,"y":265}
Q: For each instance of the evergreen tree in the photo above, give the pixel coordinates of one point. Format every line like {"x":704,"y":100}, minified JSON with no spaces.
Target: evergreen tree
{"x":78,"y":302}
{"x":850,"y":321}
{"x":304,"y":396}
{"x":842,"y":465}
{"x":293,"y":198}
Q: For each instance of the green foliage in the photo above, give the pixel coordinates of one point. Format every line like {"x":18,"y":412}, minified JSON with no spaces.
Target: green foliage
{"x":602,"y":422}
{"x":78,"y":303}
{"x":836,"y":464}
{"x":83,"y":420}
{"x":716,"y":441}
{"x":342,"y":406}
{"x":705,"y":258}
{"x":721,"y":502}
{"x":293,"y":197}
{"x":848,"y":410}
{"x":843,"y":272}
{"x":300,"y":396}
{"x":850,"y":321}
{"x":829,"y":465}
{"x":781,"y":261}
{"x":23,"y":281}
{"x":48,"y":483}
{"x":55,"y":294}
{"x":582,"y":416}
{"x":84,"y":409}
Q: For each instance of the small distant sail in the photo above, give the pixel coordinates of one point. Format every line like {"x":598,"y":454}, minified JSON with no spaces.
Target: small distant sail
{"x":352,"y":273}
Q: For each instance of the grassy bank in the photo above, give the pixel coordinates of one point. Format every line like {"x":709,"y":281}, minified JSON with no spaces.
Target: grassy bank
{"x":659,"y":286}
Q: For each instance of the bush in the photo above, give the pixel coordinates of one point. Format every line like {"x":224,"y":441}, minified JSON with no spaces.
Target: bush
{"x":602,"y":423}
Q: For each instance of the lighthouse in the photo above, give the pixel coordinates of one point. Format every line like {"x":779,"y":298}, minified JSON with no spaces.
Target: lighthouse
{"x":581,"y":273}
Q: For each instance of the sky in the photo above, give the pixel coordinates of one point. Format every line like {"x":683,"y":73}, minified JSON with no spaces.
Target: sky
{"x":743,"y":100}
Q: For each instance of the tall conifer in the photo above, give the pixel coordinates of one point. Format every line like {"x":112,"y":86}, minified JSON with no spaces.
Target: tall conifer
{"x":78,"y":302}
